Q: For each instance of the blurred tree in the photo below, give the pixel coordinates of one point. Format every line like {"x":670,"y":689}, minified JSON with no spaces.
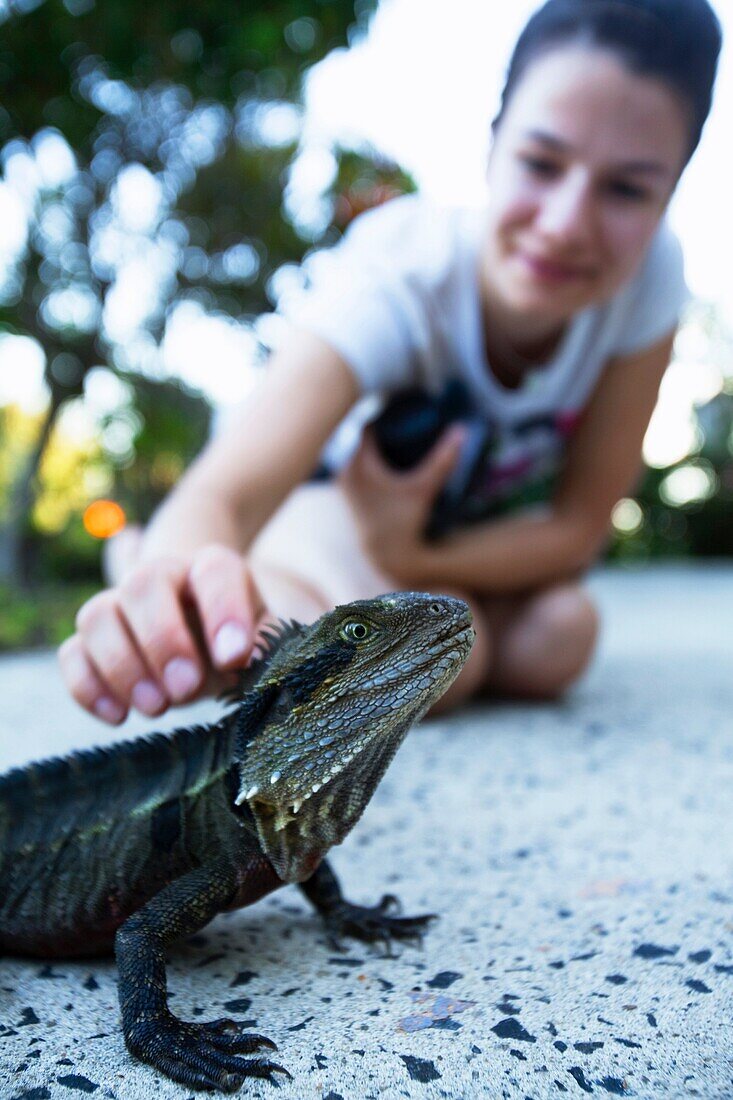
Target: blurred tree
{"x":686,"y":508}
{"x":364,"y":182}
{"x":167,"y":424}
{"x":689,"y":506}
{"x":147,"y":148}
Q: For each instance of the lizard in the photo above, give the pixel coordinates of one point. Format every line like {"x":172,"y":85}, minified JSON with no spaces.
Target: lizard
{"x":137,"y":844}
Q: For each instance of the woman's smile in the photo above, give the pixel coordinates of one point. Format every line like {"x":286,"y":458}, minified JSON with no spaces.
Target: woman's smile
{"x":546,"y":269}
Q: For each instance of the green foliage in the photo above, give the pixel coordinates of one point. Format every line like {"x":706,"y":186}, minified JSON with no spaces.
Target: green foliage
{"x":180,"y":93}
{"x":217,"y":51}
{"x":171,"y":424}
{"x":69,"y":558}
{"x":700,"y":525}
{"x":44,"y":617}
{"x":363,"y":182}
{"x":165,"y":425}
{"x":175,"y":88}
{"x":238,"y":199}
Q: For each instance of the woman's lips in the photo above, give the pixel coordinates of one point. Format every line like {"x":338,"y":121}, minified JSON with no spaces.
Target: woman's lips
{"x":550,"y":271}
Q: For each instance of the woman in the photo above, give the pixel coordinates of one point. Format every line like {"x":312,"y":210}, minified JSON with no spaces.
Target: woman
{"x":554,"y":310}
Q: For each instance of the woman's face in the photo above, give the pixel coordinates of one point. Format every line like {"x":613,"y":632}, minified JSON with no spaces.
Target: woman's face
{"x":582,"y":166}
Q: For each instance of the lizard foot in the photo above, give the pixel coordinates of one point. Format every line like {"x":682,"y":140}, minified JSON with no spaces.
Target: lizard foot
{"x":374,"y":924}
{"x":201,"y":1056}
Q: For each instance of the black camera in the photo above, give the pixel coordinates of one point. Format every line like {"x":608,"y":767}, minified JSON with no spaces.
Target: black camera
{"x":408,"y":427}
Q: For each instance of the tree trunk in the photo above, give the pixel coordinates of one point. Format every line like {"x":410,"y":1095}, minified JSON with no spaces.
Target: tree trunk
{"x":22,"y":495}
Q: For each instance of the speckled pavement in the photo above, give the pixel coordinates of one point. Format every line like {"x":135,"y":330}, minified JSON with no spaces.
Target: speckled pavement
{"x":580,"y":858}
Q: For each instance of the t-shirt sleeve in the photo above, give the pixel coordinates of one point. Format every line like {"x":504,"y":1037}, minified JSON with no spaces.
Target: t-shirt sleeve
{"x":656,"y":296}
{"x":358,"y":297}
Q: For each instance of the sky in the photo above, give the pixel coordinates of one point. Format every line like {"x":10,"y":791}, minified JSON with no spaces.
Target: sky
{"x":422,"y":87}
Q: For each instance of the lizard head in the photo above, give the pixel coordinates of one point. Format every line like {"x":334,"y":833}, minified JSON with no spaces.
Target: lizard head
{"x":345,"y":692}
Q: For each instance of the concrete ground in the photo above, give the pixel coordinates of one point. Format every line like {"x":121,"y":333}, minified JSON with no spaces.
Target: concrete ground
{"x":579,"y":856}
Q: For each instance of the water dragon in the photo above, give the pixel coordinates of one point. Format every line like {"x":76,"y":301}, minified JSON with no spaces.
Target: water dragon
{"x":133,"y":846}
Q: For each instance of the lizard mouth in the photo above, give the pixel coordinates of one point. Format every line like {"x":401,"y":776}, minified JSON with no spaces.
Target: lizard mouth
{"x":454,"y":643}
{"x":465,"y":636}
{"x":454,"y":646}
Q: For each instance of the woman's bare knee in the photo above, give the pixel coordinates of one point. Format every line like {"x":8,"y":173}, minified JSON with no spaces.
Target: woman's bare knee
{"x":548,"y":644}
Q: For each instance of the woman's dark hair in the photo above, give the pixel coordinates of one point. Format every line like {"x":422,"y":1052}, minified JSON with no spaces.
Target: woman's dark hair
{"x":675,"y":41}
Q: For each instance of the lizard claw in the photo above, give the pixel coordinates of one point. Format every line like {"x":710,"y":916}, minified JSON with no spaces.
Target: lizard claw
{"x":374,"y":924}
{"x":203,"y":1056}
{"x":390,"y":904}
{"x":228,"y":1035}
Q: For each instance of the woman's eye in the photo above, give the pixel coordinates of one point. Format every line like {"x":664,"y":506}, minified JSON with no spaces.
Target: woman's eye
{"x":355,"y":631}
{"x":622,"y":190}
{"x":539,"y":166}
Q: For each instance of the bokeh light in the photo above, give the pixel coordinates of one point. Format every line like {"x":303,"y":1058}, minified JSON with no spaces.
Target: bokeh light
{"x":688,"y":484}
{"x":104,"y":518}
{"x":627,"y":517}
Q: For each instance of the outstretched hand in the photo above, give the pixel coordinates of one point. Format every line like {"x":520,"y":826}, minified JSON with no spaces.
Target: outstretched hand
{"x":172,"y":630}
{"x":392,"y":507}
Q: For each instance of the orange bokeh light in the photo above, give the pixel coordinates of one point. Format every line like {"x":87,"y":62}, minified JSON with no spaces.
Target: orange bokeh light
{"x":104,"y":518}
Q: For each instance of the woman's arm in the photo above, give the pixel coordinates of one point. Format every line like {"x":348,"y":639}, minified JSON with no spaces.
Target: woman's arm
{"x":188,"y":609}
{"x":536,"y":547}
{"x":271,"y":444}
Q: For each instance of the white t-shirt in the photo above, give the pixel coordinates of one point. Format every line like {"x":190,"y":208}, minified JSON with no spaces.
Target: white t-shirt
{"x":398,"y":298}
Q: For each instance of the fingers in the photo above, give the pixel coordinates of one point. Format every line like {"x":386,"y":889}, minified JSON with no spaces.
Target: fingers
{"x":368,"y":463}
{"x":437,"y":465}
{"x":369,"y":458}
{"x":151,"y":604}
{"x":228,"y":603}
{"x":166,"y":633}
{"x":114,"y":657}
{"x":85,"y":684}
{"x":133,"y":646}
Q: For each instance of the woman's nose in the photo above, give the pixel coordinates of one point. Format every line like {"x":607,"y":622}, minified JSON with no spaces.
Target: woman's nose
{"x":566,"y":212}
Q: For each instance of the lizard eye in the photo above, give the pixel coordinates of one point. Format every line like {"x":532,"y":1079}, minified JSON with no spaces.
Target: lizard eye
{"x":355,"y":631}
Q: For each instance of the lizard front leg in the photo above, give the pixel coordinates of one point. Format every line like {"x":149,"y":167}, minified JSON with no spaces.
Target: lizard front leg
{"x":371,"y":923}
{"x":198,"y":1055}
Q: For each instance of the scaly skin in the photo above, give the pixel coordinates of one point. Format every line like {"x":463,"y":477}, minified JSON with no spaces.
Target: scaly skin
{"x":144,"y":842}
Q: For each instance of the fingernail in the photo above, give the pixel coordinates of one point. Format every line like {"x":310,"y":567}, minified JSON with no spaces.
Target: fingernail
{"x":147,"y":697}
{"x":230,"y":642}
{"x":181,"y":678}
{"x":108,"y":710}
